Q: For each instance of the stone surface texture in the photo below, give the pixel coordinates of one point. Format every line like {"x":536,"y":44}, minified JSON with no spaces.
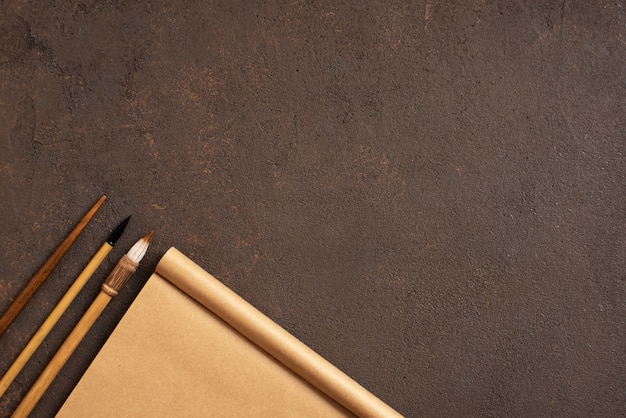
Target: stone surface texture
{"x":429,"y":194}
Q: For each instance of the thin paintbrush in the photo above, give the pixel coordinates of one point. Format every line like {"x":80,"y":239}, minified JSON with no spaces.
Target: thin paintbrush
{"x":42,"y":274}
{"x":63,"y":304}
{"x":114,"y":282}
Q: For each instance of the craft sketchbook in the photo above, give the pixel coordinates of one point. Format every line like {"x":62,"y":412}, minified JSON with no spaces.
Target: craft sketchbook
{"x":188,"y":346}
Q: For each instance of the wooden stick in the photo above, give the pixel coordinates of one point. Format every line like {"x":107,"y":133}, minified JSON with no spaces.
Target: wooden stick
{"x":42,"y":274}
{"x":61,"y":357}
{"x":53,"y":318}
{"x":114,"y":282}
{"x":61,"y":307}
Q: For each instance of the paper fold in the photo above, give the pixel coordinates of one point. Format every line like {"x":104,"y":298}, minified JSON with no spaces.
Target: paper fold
{"x":190,"y":346}
{"x":258,"y":328}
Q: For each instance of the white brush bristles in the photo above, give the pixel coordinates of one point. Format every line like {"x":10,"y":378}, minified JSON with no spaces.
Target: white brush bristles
{"x":138,"y":250}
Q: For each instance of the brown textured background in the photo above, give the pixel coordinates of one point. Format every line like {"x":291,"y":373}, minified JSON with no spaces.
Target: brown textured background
{"x":429,"y":195}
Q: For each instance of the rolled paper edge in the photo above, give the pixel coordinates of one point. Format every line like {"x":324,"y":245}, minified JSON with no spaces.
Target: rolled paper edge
{"x":190,"y":278}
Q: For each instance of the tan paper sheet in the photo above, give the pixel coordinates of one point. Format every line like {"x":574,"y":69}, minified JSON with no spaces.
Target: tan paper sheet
{"x":189,"y":346}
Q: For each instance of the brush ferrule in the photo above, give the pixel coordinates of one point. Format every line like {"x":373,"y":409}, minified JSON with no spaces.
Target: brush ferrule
{"x":119,"y":276}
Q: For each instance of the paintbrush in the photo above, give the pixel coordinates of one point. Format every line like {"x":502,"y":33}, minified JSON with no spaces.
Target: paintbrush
{"x":113,"y":284}
{"x":61,"y":307}
{"x":42,"y":274}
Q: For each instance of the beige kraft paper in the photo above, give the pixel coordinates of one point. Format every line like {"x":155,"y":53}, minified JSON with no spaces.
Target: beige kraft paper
{"x":190,"y":347}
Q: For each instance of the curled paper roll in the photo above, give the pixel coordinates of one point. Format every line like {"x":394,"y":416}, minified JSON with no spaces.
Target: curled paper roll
{"x":190,"y":346}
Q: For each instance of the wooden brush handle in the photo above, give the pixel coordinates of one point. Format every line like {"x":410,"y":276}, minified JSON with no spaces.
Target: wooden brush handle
{"x":60,"y":358}
{"x":53,"y":318}
{"x":42,"y":274}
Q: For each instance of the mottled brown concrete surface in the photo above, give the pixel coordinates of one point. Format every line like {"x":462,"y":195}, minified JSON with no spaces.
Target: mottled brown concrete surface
{"x":429,"y":195}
